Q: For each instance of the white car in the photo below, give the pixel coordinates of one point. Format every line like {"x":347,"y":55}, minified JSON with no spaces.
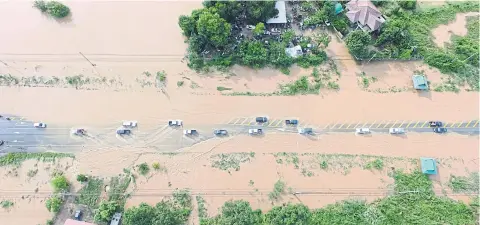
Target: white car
{"x":40,"y":125}
{"x":175,"y":123}
{"x":190,"y":132}
{"x":362,"y":130}
{"x":129,"y":124}
{"x":397,"y":131}
{"x":255,"y":131}
{"x":250,"y":27}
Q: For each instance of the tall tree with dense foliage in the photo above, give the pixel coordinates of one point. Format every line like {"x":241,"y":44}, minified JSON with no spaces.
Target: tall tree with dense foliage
{"x":278,"y":57}
{"x":229,"y":10}
{"x":253,"y":53}
{"x":408,"y":4}
{"x":214,"y":28}
{"x":357,"y":42}
{"x":259,"y":28}
{"x":290,"y":214}
{"x":60,"y":183}
{"x":260,"y":11}
{"x":237,"y":212}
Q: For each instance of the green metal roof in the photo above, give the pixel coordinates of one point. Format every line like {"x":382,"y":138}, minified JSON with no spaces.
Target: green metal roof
{"x":420,"y":82}
{"x":429,"y":166}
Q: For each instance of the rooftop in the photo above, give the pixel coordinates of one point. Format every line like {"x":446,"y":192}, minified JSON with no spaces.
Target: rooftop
{"x":420,"y":82}
{"x":282,"y":13}
{"x":428,"y":166}
{"x":365,"y":13}
{"x":76,"y":222}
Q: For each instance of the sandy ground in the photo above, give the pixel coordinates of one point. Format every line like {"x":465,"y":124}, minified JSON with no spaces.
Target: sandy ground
{"x":443,"y":33}
{"x":137,"y":37}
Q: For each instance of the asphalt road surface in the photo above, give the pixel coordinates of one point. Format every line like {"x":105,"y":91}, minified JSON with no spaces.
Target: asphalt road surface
{"x":20,"y":135}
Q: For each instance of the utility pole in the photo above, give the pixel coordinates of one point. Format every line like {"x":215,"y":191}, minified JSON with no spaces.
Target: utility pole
{"x":93,"y":64}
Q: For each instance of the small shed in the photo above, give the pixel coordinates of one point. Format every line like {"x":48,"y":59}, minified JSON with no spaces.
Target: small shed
{"x":429,"y":166}
{"x":338,"y":8}
{"x":281,"y":18}
{"x":294,"y":51}
{"x":420,"y":82}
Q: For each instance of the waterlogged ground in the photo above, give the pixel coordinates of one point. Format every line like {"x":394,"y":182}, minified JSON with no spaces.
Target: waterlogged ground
{"x":332,"y":168}
{"x":139,"y":39}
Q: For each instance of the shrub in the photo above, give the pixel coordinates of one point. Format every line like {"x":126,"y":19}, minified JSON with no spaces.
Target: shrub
{"x":408,"y":4}
{"x":81,"y":178}
{"x":106,"y":211}
{"x":57,"y":9}
{"x":54,"y":204}
{"x":156,"y":166}
{"x":180,"y":83}
{"x":143,"y":169}
{"x":40,"y":4}
{"x":161,"y":76}
{"x":60,"y":183}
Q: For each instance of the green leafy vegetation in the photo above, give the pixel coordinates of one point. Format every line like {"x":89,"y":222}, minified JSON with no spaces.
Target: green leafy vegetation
{"x":202,"y":209}
{"x":117,"y":187}
{"x":60,"y":183}
{"x":82,"y":178}
{"x":413,"y":202}
{"x":161,"y":76}
{"x":16,"y":158}
{"x":375,"y":164}
{"x":278,"y":191}
{"x":53,"y":8}
{"x":106,"y":210}
{"x":464,"y":183}
{"x":230,"y":161}
{"x":180,"y":83}
{"x":6,"y":204}
{"x":54,"y":204}
{"x":407,"y":35}
{"x":169,"y":211}
{"x":89,"y":194}
{"x":220,"y":88}
{"x":143,"y":169}
{"x":216,"y":38}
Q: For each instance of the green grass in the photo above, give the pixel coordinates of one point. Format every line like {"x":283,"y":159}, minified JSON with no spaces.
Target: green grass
{"x":89,"y":194}
{"x":6,"y":204}
{"x":161,"y":76}
{"x":118,"y":185}
{"x":230,"y":161}
{"x":462,"y":184}
{"x":220,"y":88}
{"x":16,"y":158}
{"x":375,"y":164}
{"x":278,"y":191}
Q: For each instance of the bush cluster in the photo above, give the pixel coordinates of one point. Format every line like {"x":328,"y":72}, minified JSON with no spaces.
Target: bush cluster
{"x":53,"y":8}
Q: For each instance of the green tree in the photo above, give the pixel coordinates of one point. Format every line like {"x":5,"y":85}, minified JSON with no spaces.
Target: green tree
{"x":54,"y":204}
{"x":357,"y":42}
{"x":290,"y":214}
{"x":408,"y":4}
{"x":60,"y":183}
{"x":260,"y":11}
{"x":229,"y":10}
{"x":239,"y":212}
{"x":188,"y":25}
{"x":259,"y":28}
{"x":142,"y":215}
{"x":287,"y":36}
{"x":278,"y":57}
{"x":395,"y":32}
{"x":214,"y":28}
{"x":106,"y":211}
{"x":253,"y":54}
{"x":57,"y":9}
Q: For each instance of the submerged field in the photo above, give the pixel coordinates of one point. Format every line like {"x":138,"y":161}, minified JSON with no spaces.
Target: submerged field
{"x":140,"y":74}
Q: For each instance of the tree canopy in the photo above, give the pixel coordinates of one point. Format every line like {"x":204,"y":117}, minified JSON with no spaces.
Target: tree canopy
{"x":253,"y":53}
{"x":214,"y":28}
{"x":357,"y":42}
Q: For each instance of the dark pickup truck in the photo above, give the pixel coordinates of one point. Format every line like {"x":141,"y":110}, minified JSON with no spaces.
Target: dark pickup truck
{"x":124,"y":131}
{"x":291,"y":122}
{"x":261,"y":119}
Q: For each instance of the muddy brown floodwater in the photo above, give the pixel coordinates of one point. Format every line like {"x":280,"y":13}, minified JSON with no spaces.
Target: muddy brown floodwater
{"x":126,"y":38}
